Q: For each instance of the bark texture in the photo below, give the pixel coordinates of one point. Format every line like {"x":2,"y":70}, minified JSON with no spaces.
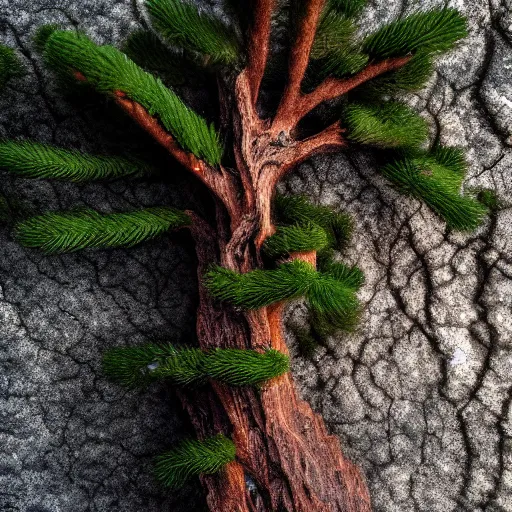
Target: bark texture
{"x":286,"y":460}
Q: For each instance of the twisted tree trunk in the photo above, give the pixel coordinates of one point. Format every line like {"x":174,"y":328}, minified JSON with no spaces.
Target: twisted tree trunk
{"x":286,"y":460}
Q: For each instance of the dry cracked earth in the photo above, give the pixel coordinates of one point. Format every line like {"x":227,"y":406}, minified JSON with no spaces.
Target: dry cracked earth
{"x":420,"y":395}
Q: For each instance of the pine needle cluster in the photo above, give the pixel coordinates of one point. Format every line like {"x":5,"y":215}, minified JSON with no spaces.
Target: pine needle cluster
{"x":60,"y":232}
{"x":10,"y":66}
{"x":192,"y":458}
{"x":298,"y":238}
{"x":335,"y":49}
{"x":347,"y":8}
{"x":325,"y":323}
{"x":436,"y":178}
{"x":334,"y":30}
{"x":325,"y":293}
{"x":408,"y":78}
{"x":182,"y":25}
{"x":353,"y":277}
{"x":489,"y":199}
{"x":260,"y":288}
{"x":385,"y":125}
{"x":298,"y":210}
{"x":320,"y":326}
{"x":34,"y":160}
{"x":138,"y":366}
{"x":109,"y":70}
{"x":150,"y":53}
{"x":238,"y":367}
{"x":433,"y":31}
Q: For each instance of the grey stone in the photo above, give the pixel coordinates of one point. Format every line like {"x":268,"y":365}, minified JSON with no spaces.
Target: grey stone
{"x":420,"y":395}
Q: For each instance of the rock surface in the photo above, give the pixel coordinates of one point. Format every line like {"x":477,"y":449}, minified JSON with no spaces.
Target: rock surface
{"x":420,"y":396}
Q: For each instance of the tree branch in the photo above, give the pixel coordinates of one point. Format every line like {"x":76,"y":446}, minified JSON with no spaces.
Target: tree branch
{"x":299,"y":59}
{"x":220,"y":182}
{"x":259,"y":42}
{"x":139,"y":114}
{"x":332,"y":88}
{"x":330,"y":139}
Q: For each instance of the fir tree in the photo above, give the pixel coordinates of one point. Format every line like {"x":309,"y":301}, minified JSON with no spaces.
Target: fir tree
{"x":260,"y":250}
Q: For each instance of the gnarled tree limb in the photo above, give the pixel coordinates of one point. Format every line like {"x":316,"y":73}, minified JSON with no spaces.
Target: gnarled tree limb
{"x":299,"y":60}
{"x":259,"y":41}
{"x":332,"y":88}
{"x":220,"y":182}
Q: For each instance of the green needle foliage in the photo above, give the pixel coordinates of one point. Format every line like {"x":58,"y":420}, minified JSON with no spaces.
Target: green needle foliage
{"x":451,"y":158}
{"x":42,"y":34}
{"x":352,"y":277}
{"x":348,"y":8}
{"x":432,"y":31}
{"x":334,"y":30}
{"x":386,"y":125}
{"x":288,"y":239}
{"x":331,"y":297}
{"x":436,"y":178}
{"x":193,"y":458}
{"x":148,"y":52}
{"x":138,"y":366}
{"x":260,"y":288}
{"x":334,"y":51}
{"x":59,"y":232}
{"x":346,"y":60}
{"x":298,"y":210}
{"x":182,"y":25}
{"x":10,"y":66}
{"x":490,"y":199}
{"x":34,"y":160}
{"x":109,"y":70}
{"x":238,"y":367}
{"x":324,"y":323}
{"x":409,"y":78}
{"x":326,"y":294}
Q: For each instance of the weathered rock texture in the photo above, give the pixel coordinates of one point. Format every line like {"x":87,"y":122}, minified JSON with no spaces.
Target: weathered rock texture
{"x":420,"y":396}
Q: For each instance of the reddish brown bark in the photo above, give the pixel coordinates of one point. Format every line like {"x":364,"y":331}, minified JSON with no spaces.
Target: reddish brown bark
{"x":259,"y":45}
{"x":332,"y":88}
{"x":299,"y":59}
{"x":286,"y":460}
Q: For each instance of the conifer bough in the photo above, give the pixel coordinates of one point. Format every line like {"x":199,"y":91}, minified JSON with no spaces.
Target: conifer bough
{"x":137,"y":366}
{"x":33,"y":160}
{"x":259,"y":447}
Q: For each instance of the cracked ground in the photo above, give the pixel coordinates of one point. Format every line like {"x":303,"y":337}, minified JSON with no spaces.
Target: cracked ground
{"x":420,"y":395}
